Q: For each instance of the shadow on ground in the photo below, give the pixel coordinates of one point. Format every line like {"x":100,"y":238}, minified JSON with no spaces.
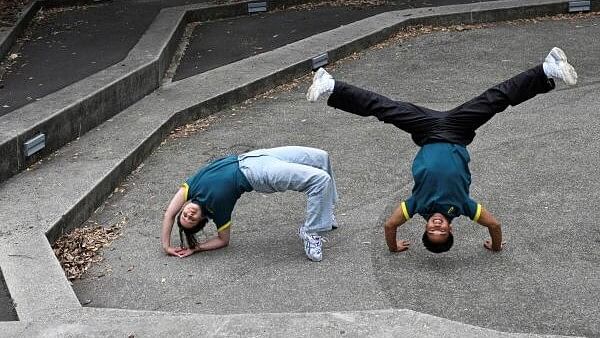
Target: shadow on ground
{"x":7,"y":310}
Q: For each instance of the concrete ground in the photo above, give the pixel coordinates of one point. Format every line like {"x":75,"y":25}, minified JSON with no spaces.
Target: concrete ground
{"x":534,"y":167}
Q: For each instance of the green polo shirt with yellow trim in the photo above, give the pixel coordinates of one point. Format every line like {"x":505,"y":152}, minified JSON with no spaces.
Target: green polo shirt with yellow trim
{"x":216,"y":187}
{"x":442,"y":180}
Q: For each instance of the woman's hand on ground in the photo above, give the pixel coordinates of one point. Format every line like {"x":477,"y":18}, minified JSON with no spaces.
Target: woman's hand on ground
{"x":179,"y":252}
{"x":184,"y":252}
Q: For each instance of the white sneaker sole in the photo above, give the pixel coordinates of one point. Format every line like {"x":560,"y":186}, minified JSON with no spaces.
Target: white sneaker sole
{"x":314,"y":91}
{"x":558,"y":58}
{"x":313,"y":94}
{"x":558,"y":54}
{"x":569,"y":75}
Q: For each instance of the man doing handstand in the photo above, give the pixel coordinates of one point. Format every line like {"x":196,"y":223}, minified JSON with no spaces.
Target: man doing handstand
{"x":440,"y":169}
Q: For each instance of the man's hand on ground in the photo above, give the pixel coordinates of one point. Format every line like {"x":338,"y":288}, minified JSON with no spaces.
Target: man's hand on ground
{"x":401,"y":245}
{"x":488,"y":245}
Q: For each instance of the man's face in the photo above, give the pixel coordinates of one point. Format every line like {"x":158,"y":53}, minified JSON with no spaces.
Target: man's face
{"x":438,"y":228}
{"x":190,"y":215}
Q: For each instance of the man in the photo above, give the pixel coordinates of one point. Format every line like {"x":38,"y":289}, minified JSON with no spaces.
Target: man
{"x":440,"y":169}
{"x":212,"y":192}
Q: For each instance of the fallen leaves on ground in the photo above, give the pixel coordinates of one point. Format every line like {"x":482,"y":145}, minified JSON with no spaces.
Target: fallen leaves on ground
{"x":339,"y":3}
{"x":77,"y":250}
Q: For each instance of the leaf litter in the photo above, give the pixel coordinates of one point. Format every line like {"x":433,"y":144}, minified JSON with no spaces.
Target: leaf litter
{"x":79,"y":249}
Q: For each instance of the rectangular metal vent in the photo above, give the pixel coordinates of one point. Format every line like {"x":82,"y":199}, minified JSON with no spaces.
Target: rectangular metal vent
{"x":580,"y":6}
{"x":320,"y":61}
{"x":255,"y":7}
{"x":34,"y":144}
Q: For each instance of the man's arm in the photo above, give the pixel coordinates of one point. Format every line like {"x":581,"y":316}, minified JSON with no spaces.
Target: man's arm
{"x":488,"y":220}
{"x":391,"y":225}
{"x":168,"y":219}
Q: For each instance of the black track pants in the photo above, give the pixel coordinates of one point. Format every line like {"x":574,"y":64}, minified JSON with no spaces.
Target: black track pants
{"x":457,"y":125}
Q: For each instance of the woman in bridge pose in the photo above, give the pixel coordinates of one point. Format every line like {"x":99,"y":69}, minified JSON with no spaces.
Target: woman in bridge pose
{"x":211,"y":193}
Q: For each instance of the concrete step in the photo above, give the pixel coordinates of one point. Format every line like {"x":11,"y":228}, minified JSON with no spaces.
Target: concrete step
{"x":378,"y":323}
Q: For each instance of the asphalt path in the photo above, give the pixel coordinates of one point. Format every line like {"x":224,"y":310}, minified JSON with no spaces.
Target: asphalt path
{"x":535,"y":167}
{"x":217,"y":43}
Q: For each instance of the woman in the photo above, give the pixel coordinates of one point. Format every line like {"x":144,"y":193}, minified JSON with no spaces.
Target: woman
{"x":211,"y":193}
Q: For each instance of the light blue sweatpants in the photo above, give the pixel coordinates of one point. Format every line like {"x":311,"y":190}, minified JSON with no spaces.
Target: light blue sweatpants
{"x":303,"y":169}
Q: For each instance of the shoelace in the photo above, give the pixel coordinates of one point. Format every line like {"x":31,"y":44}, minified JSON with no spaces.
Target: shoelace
{"x":317,"y":238}
{"x":313,"y":237}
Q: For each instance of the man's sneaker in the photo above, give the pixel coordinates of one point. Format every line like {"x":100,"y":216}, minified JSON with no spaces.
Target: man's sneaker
{"x":322,"y":84}
{"x":556,"y":66}
{"x":313,"y":245}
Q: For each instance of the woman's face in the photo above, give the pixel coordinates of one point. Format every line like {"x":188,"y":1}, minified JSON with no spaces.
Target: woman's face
{"x":190,"y":215}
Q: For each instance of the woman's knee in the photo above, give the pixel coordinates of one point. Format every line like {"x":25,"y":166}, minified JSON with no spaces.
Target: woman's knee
{"x":319,"y":181}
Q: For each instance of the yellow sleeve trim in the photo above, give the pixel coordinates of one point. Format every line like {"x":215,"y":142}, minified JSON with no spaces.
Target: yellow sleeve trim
{"x":477,"y":213}
{"x":223,"y":227}
{"x":186,"y":187}
{"x":405,"y":211}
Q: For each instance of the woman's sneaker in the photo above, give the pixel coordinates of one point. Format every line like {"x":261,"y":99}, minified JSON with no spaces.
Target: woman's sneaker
{"x":313,"y":245}
{"x":556,"y":66}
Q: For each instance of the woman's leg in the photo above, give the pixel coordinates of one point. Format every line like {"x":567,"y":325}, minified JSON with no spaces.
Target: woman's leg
{"x":313,"y":157}
{"x":267,"y":173}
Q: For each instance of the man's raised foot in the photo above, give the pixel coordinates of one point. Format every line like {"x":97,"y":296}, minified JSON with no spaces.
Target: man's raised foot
{"x":322,"y":84}
{"x":556,"y":66}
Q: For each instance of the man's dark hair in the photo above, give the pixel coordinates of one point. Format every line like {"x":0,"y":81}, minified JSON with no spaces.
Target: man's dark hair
{"x":189,"y":234}
{"x":438,"y":247}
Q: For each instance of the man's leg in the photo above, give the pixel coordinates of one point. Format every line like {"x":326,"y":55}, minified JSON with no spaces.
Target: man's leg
{"x":416,"y":120}
{"x":463,"y":120}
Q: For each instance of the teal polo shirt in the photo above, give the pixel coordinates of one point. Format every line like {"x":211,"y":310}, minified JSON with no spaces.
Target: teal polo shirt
{"x":442,"y":180}
{"x":216,"y":187}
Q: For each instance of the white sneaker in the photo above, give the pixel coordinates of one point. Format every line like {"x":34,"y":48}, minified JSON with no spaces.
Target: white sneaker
{"x":556,"y":66}
{"x":322,"y":84}
{"x":313,"y":245}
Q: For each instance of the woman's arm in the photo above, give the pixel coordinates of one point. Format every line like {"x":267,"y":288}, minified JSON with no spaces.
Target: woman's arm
{"x":167,"y":224}
{"x":217,"y":242}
